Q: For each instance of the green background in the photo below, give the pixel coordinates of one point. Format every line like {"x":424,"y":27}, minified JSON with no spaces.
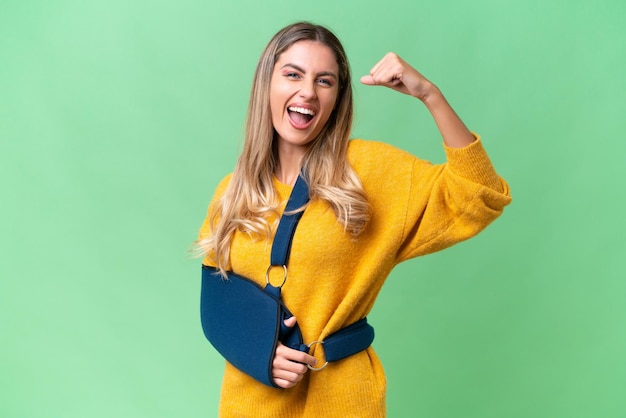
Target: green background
{"x":118,"y":118}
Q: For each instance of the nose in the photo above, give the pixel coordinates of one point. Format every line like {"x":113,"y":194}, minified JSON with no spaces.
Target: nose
{"x":308,"y":89}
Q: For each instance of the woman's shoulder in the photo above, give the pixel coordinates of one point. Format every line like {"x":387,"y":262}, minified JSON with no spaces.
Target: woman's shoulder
{"x":225,"y":181}
{"x":221,"y":187}
{"x":365,"y":148}
{"x":366,"y":155}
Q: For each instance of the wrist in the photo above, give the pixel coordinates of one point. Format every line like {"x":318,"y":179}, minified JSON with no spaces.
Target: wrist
{"x":432,"y":97}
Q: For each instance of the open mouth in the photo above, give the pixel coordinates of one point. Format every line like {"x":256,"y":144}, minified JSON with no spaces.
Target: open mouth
{"x":301,"y":117}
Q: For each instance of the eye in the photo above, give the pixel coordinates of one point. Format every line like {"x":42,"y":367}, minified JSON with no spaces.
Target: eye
{"x":292,"y":74}
{"x":325,"y":82}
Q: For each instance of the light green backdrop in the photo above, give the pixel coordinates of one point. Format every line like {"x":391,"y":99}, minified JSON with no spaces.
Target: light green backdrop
{"x":117,"y":119}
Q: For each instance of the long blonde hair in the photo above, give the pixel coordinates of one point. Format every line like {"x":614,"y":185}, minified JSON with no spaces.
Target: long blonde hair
{"x":250,"y":198}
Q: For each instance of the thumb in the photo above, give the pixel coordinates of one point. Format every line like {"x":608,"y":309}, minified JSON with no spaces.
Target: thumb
{"x":368,"y":80}
{"x":290,"y":322}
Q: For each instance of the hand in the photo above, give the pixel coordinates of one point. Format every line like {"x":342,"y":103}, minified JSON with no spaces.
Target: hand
{"x":290,"y":365}
{"x":395,"y":73}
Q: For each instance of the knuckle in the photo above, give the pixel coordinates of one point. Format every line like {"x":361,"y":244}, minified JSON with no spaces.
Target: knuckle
{"x":292,"y":377}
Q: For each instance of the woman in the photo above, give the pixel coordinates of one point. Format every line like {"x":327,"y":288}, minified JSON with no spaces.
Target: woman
{"x":372,"y":206}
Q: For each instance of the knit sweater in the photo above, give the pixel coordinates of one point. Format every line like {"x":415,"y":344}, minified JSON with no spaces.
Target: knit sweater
{"x":416,"y":208}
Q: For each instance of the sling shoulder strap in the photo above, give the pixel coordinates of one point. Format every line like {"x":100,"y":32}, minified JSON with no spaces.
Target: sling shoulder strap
{"x":288,"y":222}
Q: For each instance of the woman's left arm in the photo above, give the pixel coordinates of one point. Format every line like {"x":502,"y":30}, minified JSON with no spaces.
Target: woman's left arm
{"x":395,"y":73}
{"x":451,"y":202}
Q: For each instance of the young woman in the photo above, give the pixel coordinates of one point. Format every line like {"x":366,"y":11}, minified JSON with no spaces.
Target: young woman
{"x":372,"y":206}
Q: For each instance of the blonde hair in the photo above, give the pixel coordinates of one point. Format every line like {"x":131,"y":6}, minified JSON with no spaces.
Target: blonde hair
{"x":250,"y":198}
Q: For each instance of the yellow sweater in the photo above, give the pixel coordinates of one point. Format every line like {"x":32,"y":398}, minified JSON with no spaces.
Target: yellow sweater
{"x":417,"y":208}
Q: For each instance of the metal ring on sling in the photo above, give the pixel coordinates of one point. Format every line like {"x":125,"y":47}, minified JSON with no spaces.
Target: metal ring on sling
{"x":316,"y":369}
{"x":267,"y":276}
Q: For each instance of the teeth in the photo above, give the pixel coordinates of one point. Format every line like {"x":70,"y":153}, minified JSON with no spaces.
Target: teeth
{"x":302,"y":110}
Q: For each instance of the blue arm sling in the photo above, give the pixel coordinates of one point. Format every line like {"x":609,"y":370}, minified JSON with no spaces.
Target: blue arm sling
{"x":244,"y":321}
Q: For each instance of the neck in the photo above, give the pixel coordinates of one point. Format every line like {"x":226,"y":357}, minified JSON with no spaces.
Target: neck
{"x":287,"y":174}
{"x":289,"y":165}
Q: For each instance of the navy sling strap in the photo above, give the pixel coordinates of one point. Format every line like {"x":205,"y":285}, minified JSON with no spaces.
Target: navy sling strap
{"x":244,"y":321}
{"x":281,"y":247}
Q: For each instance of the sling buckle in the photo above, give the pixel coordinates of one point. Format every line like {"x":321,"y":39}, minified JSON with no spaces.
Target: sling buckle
{"x":267,"y":275}
{"x":317,"y":369}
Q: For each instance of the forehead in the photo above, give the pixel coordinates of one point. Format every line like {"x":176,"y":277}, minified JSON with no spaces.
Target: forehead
{"x":312,"y":56}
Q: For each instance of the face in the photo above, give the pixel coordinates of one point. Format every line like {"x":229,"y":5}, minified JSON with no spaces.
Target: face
{"x":303,"y":93}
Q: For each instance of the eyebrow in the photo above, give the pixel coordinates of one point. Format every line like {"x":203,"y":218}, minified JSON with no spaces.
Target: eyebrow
{"x":323,"y":73}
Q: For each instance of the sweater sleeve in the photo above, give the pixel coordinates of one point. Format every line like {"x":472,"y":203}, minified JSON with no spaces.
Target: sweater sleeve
{"x":451,"y":202}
